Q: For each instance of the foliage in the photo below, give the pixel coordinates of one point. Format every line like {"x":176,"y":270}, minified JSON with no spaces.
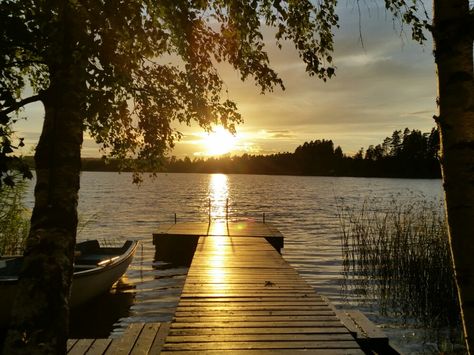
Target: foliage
{"x":397,"y":252}
{"x":406,"y":154}
{"x":132,"y":96}
{"x":14,"y":218}
{"x":410,"y":145}
{"x":316,"y":157}
{"x":9,"y":163}
{"x":132,"y":92}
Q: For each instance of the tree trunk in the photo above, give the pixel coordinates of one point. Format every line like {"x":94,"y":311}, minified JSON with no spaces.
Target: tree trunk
{"x":40,"y":314}
{"x":453,"y":39}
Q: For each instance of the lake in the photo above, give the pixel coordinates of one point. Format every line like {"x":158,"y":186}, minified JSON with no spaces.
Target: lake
{"x":305,"y":209}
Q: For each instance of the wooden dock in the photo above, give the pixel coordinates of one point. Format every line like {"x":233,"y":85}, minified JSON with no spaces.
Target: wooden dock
{"x":240,"y":296}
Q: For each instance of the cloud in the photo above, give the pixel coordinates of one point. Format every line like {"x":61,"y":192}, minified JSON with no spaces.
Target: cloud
{"x":282,"y":134}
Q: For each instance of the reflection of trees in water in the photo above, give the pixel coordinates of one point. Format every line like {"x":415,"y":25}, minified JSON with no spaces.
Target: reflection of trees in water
{"x":396,"y":253}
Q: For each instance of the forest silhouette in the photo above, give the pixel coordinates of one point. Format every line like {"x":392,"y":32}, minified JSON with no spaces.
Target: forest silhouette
{"x":405,"y":154}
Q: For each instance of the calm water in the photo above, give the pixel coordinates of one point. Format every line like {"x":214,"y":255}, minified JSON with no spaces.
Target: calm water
{"x":303,"y":208}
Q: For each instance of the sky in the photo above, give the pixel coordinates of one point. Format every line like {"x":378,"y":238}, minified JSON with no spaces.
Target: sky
{"x":385,"y":84}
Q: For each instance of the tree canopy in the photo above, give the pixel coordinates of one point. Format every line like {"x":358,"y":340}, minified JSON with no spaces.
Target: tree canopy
{"x":146,"y":64}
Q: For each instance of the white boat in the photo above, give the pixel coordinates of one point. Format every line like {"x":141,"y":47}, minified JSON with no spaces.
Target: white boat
{"x":96,"y":269}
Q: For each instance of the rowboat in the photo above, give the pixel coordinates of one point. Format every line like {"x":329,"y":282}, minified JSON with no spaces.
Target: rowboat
{"x":96,"y":269}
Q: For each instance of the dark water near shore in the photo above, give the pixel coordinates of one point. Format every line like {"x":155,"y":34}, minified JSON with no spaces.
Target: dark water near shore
{"x":303,"y":208}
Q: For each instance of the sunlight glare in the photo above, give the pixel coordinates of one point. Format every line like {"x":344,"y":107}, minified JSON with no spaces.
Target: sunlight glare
{"x":218,"y":228}
{"x":219,"y":142}
{"x":217,"y":260}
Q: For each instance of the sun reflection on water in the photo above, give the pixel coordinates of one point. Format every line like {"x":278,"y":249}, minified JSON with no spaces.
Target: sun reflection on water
{"x":218,"y":195}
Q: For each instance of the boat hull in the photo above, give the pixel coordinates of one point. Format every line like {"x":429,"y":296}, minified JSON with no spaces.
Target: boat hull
{"x":86,"y":284}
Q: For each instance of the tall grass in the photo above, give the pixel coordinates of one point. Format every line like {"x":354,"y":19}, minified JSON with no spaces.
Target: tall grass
{"x":397,"y":252}
{"x":14,"y":219}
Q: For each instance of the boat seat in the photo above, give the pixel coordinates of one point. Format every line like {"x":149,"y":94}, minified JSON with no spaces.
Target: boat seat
{"x":10,"y":265}
{"x":87,"y":247}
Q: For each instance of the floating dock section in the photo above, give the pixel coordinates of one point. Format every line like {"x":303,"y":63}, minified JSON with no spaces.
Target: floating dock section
{"x":177,"y":242}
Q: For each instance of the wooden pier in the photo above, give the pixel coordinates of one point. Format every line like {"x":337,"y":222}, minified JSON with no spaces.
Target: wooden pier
{"x":240,"y":296}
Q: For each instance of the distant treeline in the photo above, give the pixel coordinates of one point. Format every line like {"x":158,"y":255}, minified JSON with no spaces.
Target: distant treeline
{"x":407,"y":154}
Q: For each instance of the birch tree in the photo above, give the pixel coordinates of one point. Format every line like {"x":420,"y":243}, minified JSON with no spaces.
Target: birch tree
{"x":453,"y":34}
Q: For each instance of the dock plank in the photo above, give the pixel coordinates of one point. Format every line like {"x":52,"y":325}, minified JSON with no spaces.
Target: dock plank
{"x":250,"y":307}
{"x":159,"y":340}
{"x":258,"y":337}
{"x":215,"y":345}
{"x":99,"y":346}
{"x":71,"y":343}
{"x":245,"y":313}
{"x":237,"y":318}
{"x":258,"y":331}
{"x":81,"y":347}
{"x":145,"y":340}
{"x":232,"y":324}
{"x":274,"y":352}
{"x":126,"y":342}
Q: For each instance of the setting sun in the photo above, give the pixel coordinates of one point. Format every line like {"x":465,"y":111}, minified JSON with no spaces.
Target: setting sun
{"x":219,"y":141}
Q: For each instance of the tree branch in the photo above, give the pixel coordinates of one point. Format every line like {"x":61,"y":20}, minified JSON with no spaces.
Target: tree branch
{"x":19,"y":104}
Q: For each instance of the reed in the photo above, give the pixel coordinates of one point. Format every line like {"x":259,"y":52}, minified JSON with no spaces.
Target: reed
{"x":14,"y":219}
{"x":396,"y":253}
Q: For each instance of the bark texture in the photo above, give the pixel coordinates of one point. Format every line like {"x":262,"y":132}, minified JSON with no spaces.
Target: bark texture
{"x":453,"y":38}
{"x":40,"y":314}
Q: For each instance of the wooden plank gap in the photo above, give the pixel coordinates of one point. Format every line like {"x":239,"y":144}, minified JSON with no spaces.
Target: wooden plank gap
{"x":145,"y":340}
{"x":160,"y":337}
{"x":99,"y":346}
